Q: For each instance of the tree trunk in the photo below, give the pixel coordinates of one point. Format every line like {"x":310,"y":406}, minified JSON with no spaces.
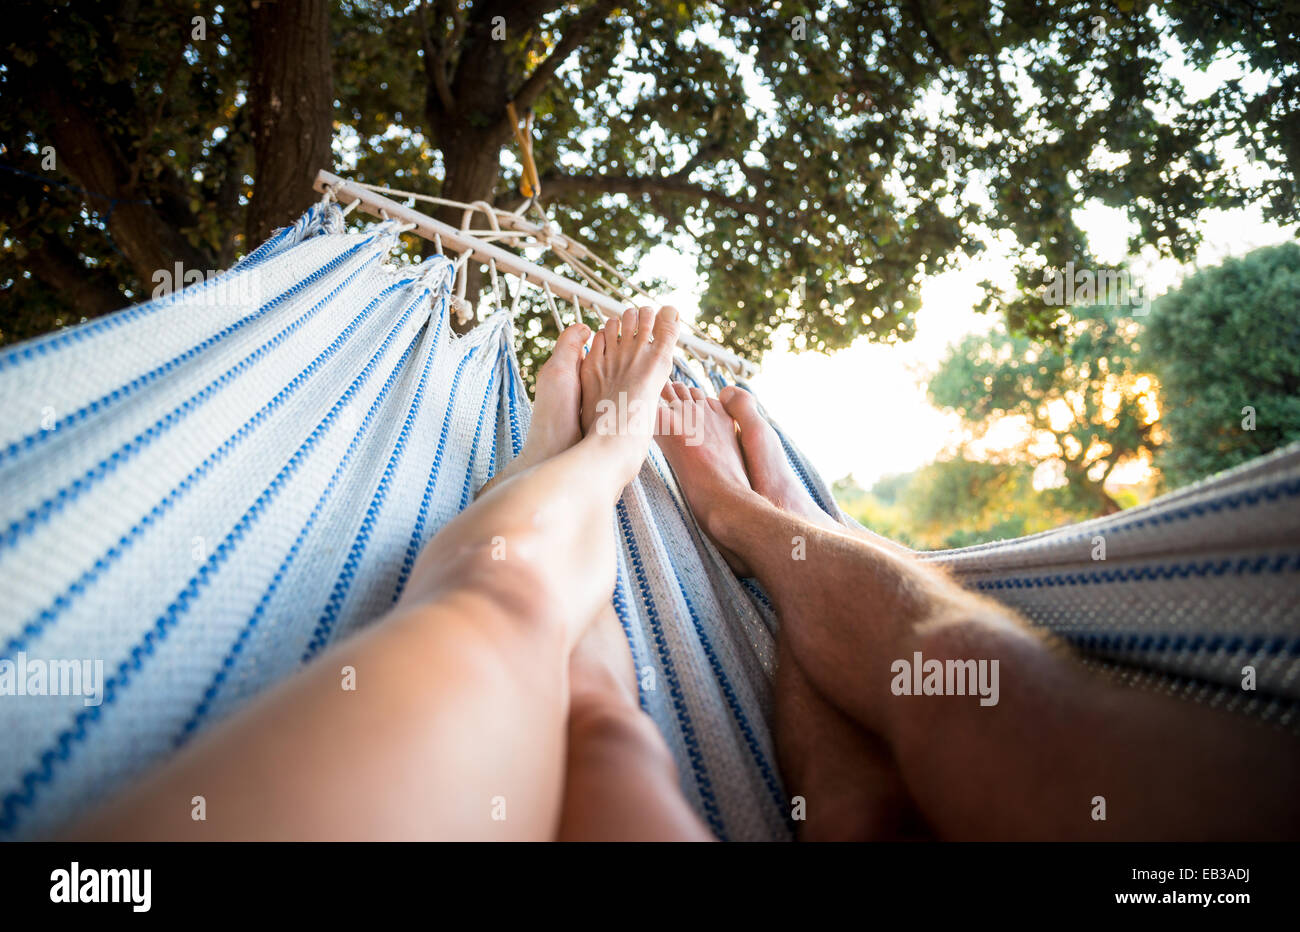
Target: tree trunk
{"x":471,"y":166}
{"x":292,"y":99}
{"x":149,"y":243}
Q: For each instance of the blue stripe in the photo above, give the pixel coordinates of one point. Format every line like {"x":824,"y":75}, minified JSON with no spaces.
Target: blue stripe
{"x":342,"y":585}
{"x":61,"y":602}
{"x":516,"y":442}
{"x":728,"y":691}
{"x":30,"y":350}
{"x":757,"y":592}
{"x":1242,"y":566}
{"x":1279,"y":491}
{"x":1208,"y":642}
{"x":232,"y":656}
{"x":707,"y":798}
{"x":468,"y":487}
{"x":82,"y":484}
{"x":416,"y":542}
{"x":62,"y":748}
{"x":122,"y":392}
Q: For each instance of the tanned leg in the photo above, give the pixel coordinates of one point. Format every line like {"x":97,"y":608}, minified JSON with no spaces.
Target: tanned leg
{"x":1059,"y":736}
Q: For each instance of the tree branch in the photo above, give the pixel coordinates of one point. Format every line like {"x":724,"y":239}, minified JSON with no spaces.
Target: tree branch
{"x":435,"y":63}
{"x":652,"y":185}
{"x":572,"y":35}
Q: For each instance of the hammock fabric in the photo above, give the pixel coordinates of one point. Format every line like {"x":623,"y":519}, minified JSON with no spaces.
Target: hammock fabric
{"x":206,"y":490}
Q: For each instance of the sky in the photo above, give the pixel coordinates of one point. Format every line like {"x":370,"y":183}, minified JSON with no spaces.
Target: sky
{"x":863,"y":410}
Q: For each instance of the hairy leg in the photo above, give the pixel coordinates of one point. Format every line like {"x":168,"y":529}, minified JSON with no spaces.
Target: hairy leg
{"x":1058,"y":736}
{"x":851,"y":788}
{"x":620,"y":781}
{"x":456,"y":727}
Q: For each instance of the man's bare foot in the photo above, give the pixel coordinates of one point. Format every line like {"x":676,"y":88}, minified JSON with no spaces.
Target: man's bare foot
{"x":555,"y":423}
{"x":766,"y":464}
{"x":698,"y":438}
{"x":621,"y":377}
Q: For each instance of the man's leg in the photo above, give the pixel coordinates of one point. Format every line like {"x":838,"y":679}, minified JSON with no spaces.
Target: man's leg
{"x":456,"y":727}
{"x":1031,"y":765}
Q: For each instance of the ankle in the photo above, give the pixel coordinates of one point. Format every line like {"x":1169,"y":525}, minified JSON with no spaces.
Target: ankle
{"x":732,"y":518}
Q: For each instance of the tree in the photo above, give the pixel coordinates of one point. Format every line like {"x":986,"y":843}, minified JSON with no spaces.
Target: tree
{"x":956,"y":501}
{"x":798,"y":145}
{"x":1082,"y":405}
{"x":128,"y":144}
{"x":1226,"y":347}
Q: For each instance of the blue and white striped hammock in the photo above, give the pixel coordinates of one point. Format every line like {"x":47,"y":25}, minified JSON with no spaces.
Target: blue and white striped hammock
{"x":206,"y":490}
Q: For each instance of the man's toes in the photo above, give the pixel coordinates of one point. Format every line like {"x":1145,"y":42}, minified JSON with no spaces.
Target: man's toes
{"x":742,"y":407}
{"x":668,"y":420}
{"x":665,"y":329}
{"x":645,"y":319}
{"x":611,"y":334}
{"x":683,"y":393}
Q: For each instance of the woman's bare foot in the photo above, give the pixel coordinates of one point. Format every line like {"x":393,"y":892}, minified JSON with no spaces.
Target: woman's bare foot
{"x":766,"y":464}
{"x":555,"y":423}
{"x":698,"y":438}
{"x":621,"y":377}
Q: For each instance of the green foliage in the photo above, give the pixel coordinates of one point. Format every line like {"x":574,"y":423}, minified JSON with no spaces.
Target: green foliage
{"x":956,"y":502}
{"x":170,"y":107}
{"x":1228,"y":338}
{"x":1082,"y":403}
{"x":797,"y":145}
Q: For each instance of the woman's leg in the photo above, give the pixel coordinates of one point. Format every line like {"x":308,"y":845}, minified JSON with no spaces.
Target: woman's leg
{"x":621,"y":782}
{"x":456,"y":727}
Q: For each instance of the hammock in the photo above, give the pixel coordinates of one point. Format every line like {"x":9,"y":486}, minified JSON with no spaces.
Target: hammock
{"x":207,"y":490}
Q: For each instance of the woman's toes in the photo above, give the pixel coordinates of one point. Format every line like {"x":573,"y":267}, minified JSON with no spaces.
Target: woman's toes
{"x":568,"y":348}
{"x":681,"y":391}
{"x":665,"y":328}
{"x":611,"y":334}
{"x":645,"y":319}
{"x":698,"y":394}
{"x":627,"y":330}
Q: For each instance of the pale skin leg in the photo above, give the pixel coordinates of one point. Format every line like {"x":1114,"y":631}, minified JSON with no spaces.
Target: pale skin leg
{"x":461,"y":708}
{"x":620,"y":780}
{"x":1028,"y":767}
